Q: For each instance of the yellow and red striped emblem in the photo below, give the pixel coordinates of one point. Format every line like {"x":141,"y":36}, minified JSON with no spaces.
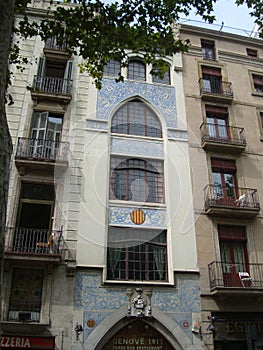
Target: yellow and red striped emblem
{"x":137,"y":216}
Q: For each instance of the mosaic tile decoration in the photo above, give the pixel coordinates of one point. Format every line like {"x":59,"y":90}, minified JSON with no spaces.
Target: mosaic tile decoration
{"x":160,"y":97}
{"x":177,"y":134}
{"x":136,"y":147}
{"x":98,"y":302}
{"x":122,"y":216}
{"x":101,"y":125}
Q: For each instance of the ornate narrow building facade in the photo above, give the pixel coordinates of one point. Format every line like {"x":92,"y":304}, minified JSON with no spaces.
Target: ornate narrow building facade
{"x":100,"y":239}
{"x":134,"y":212}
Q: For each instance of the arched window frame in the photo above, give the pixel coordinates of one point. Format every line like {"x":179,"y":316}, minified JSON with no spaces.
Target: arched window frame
{"x":136,"y":118}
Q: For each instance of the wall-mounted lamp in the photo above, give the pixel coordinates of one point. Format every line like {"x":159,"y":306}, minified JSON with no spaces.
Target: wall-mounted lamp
{"x":78,"y":330}
{"x":211,"y":327}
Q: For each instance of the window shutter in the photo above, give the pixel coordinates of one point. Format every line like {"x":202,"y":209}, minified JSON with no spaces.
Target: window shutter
{"x":232,"y":232}
{"x":207,"y":43}
{"x":211,"y":71}
{"x":258,"y":79}
{"x":41,"y":66}
{"x":223,"y":164}
{"x":216,"y":109}
{"x":39,"y":124}
{"x":68,"y":70}
{"x":261,"y":118}
{"x":67,"y":85}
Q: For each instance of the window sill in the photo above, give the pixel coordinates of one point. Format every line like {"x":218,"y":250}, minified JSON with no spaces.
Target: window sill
{"x":255,"y":93}
{"x":143,"y":205}
{"x":9,"y":326}
{"x":122,"y":282}
{"x":127,"y":136}
{"x":210,"y":59}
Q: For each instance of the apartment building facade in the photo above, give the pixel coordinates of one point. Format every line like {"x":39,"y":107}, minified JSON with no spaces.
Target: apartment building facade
{"x":100,"y":246}
{"x":223,"y":80}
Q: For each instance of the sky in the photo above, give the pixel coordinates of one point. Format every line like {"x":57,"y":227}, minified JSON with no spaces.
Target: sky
{"x":228,"y":12}
{"x":233,"y":16}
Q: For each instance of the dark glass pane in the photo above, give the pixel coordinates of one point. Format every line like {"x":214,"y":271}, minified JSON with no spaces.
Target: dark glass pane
{"x":26,"y":294}
{"x":143,"y":254}
{"x":34,"y":215}
{"x":164,"y":80}
{"x":136,"y":70}
{"x":37,"y":191}
{"x":112,"y":68}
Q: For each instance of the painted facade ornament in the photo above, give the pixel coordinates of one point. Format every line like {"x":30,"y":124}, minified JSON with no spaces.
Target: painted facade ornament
{"x":137,"y":216}
{"x":139,"y":302}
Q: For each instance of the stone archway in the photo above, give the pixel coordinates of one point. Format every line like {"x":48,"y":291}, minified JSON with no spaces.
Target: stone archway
{"x":138,"y":335}
{"x":166,"y":333}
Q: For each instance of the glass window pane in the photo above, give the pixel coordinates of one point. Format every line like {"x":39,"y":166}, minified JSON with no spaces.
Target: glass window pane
{"x":135,"y":118}
{"x":136,"y":70}
{"x":112,"y":68}
{"x":164,"y":80}
{"x":37,"y":191}
{"x":137,"y":180}
{"x":229,"y":183}
{"x":137,"y":254}
{"x":26,"y":294}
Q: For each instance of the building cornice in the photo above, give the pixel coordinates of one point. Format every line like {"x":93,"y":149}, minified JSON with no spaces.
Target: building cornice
{"x":210,"y":33}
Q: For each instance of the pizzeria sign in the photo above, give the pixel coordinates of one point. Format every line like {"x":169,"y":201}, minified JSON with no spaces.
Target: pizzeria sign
{"x":27,"y":342}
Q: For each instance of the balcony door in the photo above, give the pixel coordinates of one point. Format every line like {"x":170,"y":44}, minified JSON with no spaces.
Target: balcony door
{"x":233,"y":252}
{"x":45,"y":134}
{"x":224,"y":180}
{"x":34,"y":220}
{"x":54,"y":76}
{"x":212,"y":80}
{"x":217,"y":123}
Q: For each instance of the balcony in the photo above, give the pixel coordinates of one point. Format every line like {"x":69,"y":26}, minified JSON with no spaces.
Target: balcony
{"x":41,"y":154}
{"x":52,"y":88}
{"x":216,"y":90}
{"x":222,"y":138}
{"x":226,"y":278}
{"x":231,"y":201}
{"x":55,"y":49}
{"x":33,"y":244}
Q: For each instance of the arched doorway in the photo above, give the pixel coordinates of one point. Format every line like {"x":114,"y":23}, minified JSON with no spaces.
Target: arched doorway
{"x":138,"y":335}
{"x":160,"y":324}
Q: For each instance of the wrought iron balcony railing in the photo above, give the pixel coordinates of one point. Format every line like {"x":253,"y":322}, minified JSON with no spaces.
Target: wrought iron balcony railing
{"x":52,"y":85}
{"x":42,"y":149}
{"x":214,"y":86}
{"x":33,"y":241}
{"x":223,"y":134}
{"x":54,"y":44}
{"x":230,"y":275}
{"x":231,"y":197}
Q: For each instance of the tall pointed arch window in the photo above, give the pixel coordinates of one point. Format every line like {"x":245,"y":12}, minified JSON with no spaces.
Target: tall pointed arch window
{"x":136,"y":118}
{"x":136,"y":253}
